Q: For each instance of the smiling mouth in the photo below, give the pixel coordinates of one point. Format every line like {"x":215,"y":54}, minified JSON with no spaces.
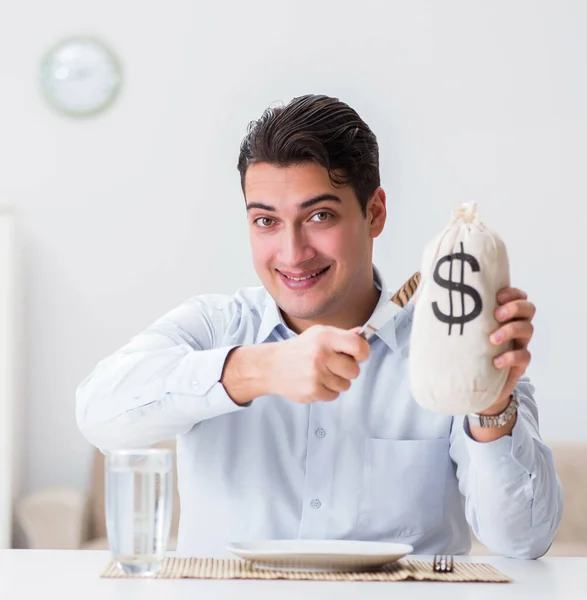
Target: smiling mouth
{"x":308,"y":276}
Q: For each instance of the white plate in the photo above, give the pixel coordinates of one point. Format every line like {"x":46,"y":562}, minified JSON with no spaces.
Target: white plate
{"x":319,"y":555}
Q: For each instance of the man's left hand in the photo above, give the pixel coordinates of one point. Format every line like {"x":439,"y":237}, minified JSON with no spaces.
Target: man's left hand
{"x":515,"y":314}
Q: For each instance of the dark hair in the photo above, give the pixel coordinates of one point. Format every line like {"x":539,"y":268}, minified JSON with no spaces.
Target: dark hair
{"x":318,"y":129}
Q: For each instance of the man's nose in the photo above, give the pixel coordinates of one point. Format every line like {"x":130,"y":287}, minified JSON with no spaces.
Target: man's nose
{"x":295,"y":247}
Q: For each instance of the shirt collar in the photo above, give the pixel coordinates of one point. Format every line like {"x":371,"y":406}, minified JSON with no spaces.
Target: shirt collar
{"x":272,"y":317}
{"x":387,"y":332}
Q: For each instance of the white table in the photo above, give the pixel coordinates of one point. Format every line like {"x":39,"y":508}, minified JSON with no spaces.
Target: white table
{"x":74,"y":575}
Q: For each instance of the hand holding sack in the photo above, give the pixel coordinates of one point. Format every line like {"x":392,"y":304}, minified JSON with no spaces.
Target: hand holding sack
{"x":451,"y":357}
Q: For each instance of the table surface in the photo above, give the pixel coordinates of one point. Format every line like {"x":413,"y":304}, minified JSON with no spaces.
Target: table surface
{"x":75,"y":574}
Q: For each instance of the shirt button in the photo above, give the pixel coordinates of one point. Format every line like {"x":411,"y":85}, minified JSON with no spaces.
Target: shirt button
{"x":320,"y":433}
{"x":316,"y":503}
{"x":195,"y":383}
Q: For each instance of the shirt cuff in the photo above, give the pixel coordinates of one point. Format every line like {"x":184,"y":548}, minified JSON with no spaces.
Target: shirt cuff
{"x":199,"y":376}
{"x":519,"y":447}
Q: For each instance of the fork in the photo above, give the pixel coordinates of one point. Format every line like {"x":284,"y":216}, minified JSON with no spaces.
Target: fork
{"x":443,"y":563}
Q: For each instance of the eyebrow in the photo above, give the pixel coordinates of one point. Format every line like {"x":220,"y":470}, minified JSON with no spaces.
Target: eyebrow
{"x":302,"y":206}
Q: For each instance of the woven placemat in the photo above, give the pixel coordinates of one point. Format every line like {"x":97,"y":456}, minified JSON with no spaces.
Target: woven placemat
{"x":213,"y":568}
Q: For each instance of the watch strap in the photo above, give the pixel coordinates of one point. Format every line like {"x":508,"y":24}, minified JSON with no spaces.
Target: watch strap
{"x":499,"y":420}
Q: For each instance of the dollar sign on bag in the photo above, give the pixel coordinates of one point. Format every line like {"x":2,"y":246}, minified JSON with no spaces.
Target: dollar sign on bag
{"x":457,"y":286}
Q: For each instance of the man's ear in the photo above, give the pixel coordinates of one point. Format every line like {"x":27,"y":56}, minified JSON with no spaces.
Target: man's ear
{"x":376,"y":212}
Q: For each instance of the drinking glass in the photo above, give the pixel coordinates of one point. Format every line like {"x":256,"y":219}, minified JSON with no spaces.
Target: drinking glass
{"x":138,"y":507}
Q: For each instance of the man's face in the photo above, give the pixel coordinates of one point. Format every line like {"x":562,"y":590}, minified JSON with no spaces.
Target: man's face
{"x":311,"y":245}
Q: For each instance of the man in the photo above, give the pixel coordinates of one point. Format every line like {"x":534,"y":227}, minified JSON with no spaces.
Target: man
{"x":288,"y":423}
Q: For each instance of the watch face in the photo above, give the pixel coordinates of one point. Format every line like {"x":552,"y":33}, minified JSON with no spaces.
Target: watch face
{"x":80,"y":76}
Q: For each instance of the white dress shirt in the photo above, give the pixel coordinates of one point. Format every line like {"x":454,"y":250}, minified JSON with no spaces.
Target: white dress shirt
{"x":371,"y":465}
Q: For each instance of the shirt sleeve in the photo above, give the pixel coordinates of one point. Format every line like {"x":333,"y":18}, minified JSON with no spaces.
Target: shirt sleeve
{"x":514,"y":500}
{"x":163,"y":382}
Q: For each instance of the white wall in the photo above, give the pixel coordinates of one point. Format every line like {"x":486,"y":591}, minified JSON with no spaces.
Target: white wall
{"x":11,"y":421}
{"x":126,"y":215}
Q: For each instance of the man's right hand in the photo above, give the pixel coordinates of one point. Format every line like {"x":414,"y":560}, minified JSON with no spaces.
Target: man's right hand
{"x":316,"y":365}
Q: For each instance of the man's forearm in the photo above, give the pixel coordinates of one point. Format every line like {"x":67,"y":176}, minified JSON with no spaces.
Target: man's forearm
{"x":151,"y":390}
{"x":246,"y":371}
{"x":514,"y":499}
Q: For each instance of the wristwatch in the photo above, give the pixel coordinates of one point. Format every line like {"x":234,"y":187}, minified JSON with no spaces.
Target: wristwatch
{"x":499,"y":420}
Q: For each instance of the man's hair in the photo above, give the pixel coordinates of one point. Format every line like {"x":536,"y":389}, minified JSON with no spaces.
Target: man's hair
{"x":318,"y":129}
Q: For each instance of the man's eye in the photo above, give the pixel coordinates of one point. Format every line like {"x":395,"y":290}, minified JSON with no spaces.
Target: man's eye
{"x":263,"y":221}
{"x":321,"y":217}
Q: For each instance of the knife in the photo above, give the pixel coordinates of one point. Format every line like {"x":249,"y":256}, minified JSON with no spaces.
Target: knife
{"x":391,"y":308}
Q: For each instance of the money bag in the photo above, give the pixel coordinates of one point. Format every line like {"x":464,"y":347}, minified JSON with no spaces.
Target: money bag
{"x":451,"y":357}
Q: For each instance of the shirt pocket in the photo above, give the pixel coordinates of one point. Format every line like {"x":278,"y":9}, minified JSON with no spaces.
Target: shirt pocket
{"x":403,"y":486}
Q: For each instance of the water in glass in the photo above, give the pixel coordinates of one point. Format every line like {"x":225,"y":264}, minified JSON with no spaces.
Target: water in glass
{"x":139,"y":485}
